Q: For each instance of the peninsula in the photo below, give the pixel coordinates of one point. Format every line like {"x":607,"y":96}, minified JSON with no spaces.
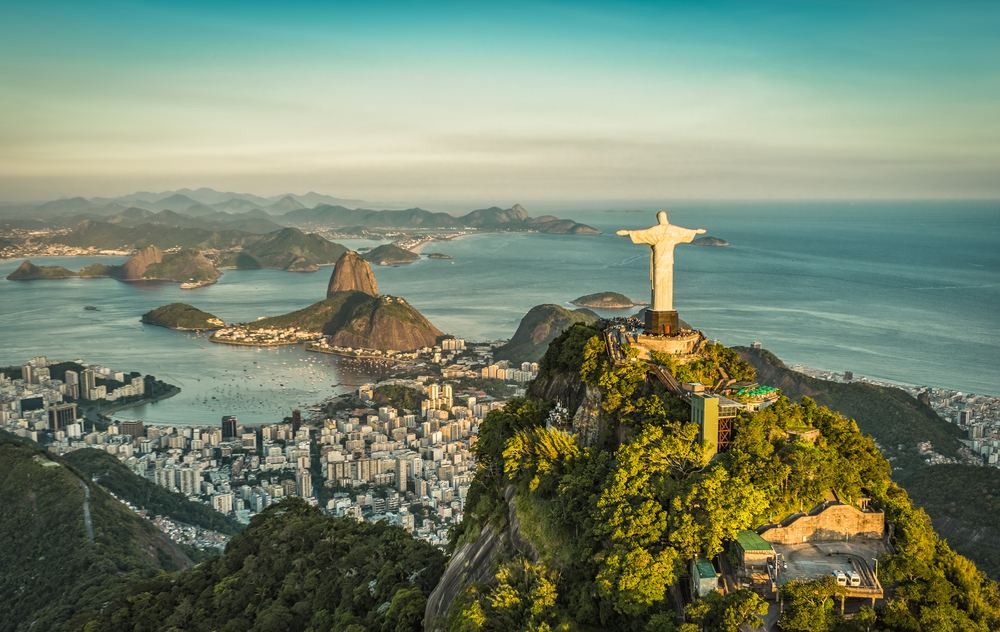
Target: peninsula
{"x":353,"y":316}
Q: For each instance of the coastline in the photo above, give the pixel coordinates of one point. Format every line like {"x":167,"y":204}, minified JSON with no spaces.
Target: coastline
{"x":591,"y":306}
{"x":146,"y":322}
{"x":815,"y":372}
{"x":351,"y":356}
{"x":437,"y":238}
{"x":254,"y":344}
{"x":174,"y":390}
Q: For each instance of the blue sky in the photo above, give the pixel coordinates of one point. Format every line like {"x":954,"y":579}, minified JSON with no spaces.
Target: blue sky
{"x":465,"y":103}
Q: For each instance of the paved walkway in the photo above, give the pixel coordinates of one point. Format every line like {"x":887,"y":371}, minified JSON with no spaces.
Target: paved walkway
{"x":86,"y":509}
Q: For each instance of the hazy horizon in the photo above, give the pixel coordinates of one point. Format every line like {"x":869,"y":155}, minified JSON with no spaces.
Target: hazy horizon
{"x":450,"y":105}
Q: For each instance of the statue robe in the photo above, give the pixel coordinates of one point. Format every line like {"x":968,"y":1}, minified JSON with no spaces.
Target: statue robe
{"x":662,"y":238}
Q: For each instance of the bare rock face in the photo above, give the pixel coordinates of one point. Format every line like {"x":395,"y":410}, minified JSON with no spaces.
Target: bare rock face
{"x":352,"y":273}
{"x":135,"y":267}
{"x":474,"y":562}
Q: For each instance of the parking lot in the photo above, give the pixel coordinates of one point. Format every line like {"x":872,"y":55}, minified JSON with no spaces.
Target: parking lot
{"x":807,"y":562}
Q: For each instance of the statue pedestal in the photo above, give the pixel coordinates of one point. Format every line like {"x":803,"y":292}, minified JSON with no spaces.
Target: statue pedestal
{"x":662,"y":322}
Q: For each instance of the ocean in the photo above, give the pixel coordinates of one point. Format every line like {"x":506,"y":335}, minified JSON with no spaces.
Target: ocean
{"x":901,"y":291}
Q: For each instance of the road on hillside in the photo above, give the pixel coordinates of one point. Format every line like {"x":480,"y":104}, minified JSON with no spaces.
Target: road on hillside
{"x":86,"y":509}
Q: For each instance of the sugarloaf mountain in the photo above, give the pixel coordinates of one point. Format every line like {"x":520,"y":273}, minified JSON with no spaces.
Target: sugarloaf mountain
{"x":354,"y":315}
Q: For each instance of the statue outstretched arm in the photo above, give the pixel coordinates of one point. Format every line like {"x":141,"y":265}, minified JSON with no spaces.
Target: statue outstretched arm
{"x":646,"y":236}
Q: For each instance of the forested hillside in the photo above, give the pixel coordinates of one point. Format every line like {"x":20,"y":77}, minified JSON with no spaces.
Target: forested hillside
{"x":960,"y":499}
{"x":52,"y":573}
{"x":888,"y":414}
{"x":112,"y":474}
{"x":614,"y":522}
{"x":292,"y":569}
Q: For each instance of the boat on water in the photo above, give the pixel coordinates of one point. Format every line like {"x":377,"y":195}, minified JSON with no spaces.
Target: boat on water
{"x":90,"y":308}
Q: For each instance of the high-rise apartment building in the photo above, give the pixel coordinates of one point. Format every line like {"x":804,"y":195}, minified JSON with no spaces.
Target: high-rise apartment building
{"x":88,"y":383}
{"x":303,"y":484}
{"x":229,"y":427}
{"x":223,"y":503}
{"x":402,"y":475}
{"x":132,"y":427}
{"x":72,"y":381}
{"x":61,"y":416}
{"x":190,"y":481}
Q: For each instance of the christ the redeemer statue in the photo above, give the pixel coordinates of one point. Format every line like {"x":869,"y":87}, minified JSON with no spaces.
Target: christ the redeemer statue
{"x":661,"y":317}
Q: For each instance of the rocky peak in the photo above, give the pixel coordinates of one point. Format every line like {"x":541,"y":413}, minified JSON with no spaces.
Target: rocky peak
{"x":135,"y":267}
{"x":518,"y":212}
{"x":352,"y":272}
{"x":26,"y":270}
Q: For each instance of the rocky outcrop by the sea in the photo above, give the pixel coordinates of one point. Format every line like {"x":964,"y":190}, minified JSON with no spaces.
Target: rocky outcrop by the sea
{"x":383,"y":322}
{"x":352,"y":273}
{"x":708,"y":240}
{"x":606,"y":300}
{"x":28,"y":271}
{"x":135,"y":267}
{"x":361,"y":321}
{"x":538,"y":328}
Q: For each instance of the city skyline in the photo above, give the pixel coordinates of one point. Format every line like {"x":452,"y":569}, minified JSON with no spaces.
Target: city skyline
{"x":453,"y":105}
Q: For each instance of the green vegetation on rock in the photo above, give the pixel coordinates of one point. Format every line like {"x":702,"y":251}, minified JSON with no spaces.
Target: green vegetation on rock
{"x":28,"y":271}
{"x":605,"y":300}
{"x":51,"y":576}
{"x":316,"y":316}
{"x":182,"y":267}
{"x":614,"y":522}
{"x":389,"y":254}
{"x":706,"y":369}
{"x":151,"y":264}
{"x":708,"y":240}
{"x":287,"y":249}
{"x":112,"y":474}
{"x":963,"y":504}
{"x":890,"y":415}
{"x":293,"y":569}
{"x":359,"y":320}
{"x":538,"y":328}
{"x":181,"y":316}
{"x":397,"y":396}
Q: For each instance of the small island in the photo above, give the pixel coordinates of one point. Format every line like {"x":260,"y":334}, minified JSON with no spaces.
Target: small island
{"x":182,"y":317}
{"x":606,"y":300}
{"x":708,"y":240}
{"x":438,"y":255}
{"x":389,"y":254}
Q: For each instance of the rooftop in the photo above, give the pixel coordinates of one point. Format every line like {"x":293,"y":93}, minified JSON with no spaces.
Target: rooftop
{"x":705,"y":569}
{"x":750,"y":541}
{"x":756,"y":392}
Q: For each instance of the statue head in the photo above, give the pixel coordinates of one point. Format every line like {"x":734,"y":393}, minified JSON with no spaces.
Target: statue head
{"x":661,"y":217}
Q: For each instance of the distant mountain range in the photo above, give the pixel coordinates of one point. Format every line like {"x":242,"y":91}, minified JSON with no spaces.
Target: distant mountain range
{"x":212,"y":210}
